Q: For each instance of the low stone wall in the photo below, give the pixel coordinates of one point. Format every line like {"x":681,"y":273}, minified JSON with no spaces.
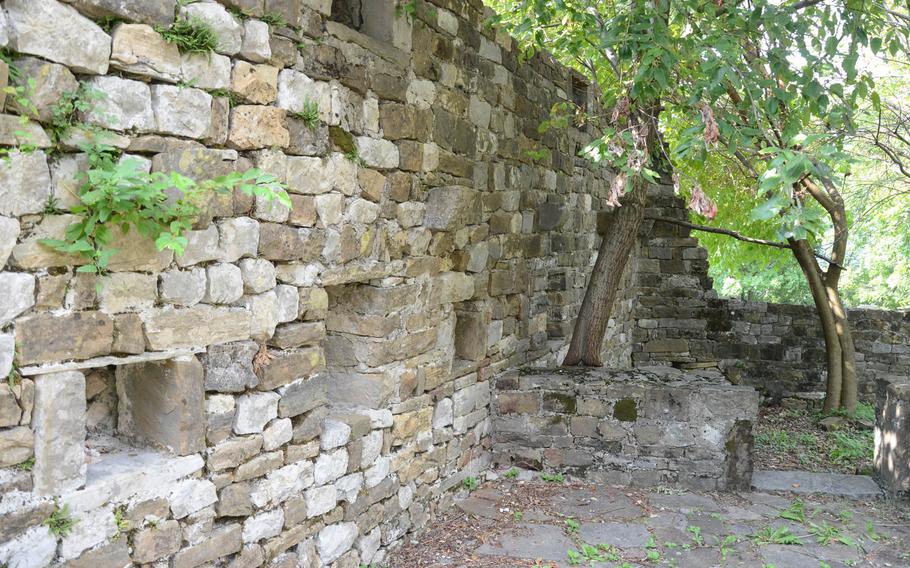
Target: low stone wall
{"x":892,"y":437}
{"x":642,"y":427}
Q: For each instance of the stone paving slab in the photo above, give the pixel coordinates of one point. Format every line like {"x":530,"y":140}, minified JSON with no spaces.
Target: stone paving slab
{"x":805,"y":483}
{"x":523,"y":523}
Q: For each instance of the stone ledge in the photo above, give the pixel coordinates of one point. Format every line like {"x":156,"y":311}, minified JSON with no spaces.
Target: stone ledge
{"x":105,"y":361}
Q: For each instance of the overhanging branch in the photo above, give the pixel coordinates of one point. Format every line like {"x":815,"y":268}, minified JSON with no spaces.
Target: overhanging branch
{"x":737,"y":236}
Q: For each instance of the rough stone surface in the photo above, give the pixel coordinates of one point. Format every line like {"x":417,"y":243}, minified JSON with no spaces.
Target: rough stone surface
{"x":25,"y":183}
{"x":18,"y":294}
{"x":127,"y":105}
{"x":181,"y":111}
{"x":59,"y":423}
{"x":254,"y":411}
{"x":138,"y":49}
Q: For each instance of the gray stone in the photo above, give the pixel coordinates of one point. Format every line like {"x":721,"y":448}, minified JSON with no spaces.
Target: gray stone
{"x":330,"y":466}
{"x":59,"y":424}
{"x":9,"y":233}
{"x":182,"y":111}
{"x":302,"y":396}
{"x":224,"y":284}
{"x":377,"y":153}
{"x":51,"y":82}
{"x":25,"y":183}
{"x":34,"y":548}
{"x":225,"y":25}
{"x":278,"y":433}
{"x":281,"y":484}
{"x":15,"y":132}
{"x":449,"y":207}
{"x":335,"y":433}
{"x":157,"y":543}
{"x":892,"y":432}
{"x":237,"y":238}
{"x":263,"y":525}
{"x":139,"y":50}
{"x":296,"y":89}
{"x":46,"y":338}
{"x":335,"y":540}
{"x":860,"y":487}
{"x":256,"y":46}
{"x":17,"y":294}
{"x":146,"y":12}
{"x":264,"y":310}
{"x":7,"y":353}
{"x":234,"y":501}
{"x":229,"y":367}
{"x":258,"y":275}
{"x":288,"y":303}
{"x":224,"y":541}
{"x":254,"y":411}
{"x":182,"y":287}
{"x":537,"y":541}
{"x":200,"y":325}
{"x":191,"y":495}
{"x":320,"y":500}
{"x":206,"y":70}
{"x":163,"y":403}
{"x":127,"y":291}
{"x":127,"y":105}
{"x":58,"y":32}
{"x":16,"y":445}
{"x":297,"y":334}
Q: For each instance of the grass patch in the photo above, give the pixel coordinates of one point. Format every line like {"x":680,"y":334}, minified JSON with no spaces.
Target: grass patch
{"x":191,"y":36}
{"x":309,"y":115}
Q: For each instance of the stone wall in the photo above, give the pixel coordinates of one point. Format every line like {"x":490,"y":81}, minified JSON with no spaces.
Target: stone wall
{"x":892,"y":432}
{"x":644,"y":427}
{"x":303,"y":386}
{"x":677,"y":319}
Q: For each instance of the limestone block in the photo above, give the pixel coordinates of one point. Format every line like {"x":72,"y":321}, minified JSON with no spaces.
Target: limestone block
{"x":368,"y":545}
{"x":191,"y":495}
{"x":320,"y":500}
{"x":289,"y":365}
{"x":163,"y":402}
{"x":206,"y":70}
{"x":271,"y":210}
{"x":58,"y":32}
{"x":126,"y":291}
{"x":9,"y":233}
{"x":296,"y":334}
{"x":309,"y":175}
{"x":258,"y":275}
{"x":157,"y":542}
{"x":168,"y":328}
{"x":330,"y":466}
{"x":46,"y":338}
{"x":14,"y":133}
{"x":17,"y":294}
{"x":229,"y":367}
{"x":278,"y":433}
{"x":377,"y":153}
{"x":302,"y":395}
{"x":281,"y":242}
{"x":263,"y":525}
{"x":140,"y":50}
{"x":450,"y":287}
{"x":93,"y":529}
{"x":257,"y":84}
{"x":237,"y":238}
{"x":234,"y":501}
{"x":16,"y":445}
{"x":233,"y":452}
{"x":25,"y":183}
{"x":8,"y":351}
{"x":255,"y":127}
{"x":335,"y":540}
{"x":288,"y":303}
{"x":224,"y":283}
{"x":34,"y":548}
{"x":296,"y":89}
{"x":281,"y":484}
{"x":264,"y":314}
{"x":51,"y":82}
{"x":59,"y":424}
{"x":146,"y":12}
{"x":223,"y":23}
{"x":256,"y":46}
{"x":335,"y":433}
{"x":222,"y":542}
{"x":377,"y":472}
{"x":450,"y":207}
{"x":362,"y":211}
{"x":372,"y":448}
{"x":181,"y":111}
{"x":254,"y":411}
{"x":330,"y":208}
{"x":66,"y":178}
{"x":126,"y":106}
{"x":182,"y":287}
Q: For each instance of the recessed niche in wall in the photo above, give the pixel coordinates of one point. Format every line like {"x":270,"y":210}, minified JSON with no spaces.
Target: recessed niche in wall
{"x":382,"y":20}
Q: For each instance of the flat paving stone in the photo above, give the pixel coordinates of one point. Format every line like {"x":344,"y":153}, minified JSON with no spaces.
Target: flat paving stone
{"x":804,"y":482}
{"x":546,"y":542}
{"x":620,"y":535}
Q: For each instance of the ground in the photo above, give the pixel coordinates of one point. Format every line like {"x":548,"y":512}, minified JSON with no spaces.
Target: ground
{"x":788,"y":439}
{"x":528,"y":522}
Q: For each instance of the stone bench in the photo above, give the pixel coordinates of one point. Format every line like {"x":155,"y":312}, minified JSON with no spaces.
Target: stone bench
{"x":646,"y":427}
{"x":892,"y":436}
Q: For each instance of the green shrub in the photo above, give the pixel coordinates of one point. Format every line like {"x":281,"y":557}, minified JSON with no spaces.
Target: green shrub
{"x":190,"y":35}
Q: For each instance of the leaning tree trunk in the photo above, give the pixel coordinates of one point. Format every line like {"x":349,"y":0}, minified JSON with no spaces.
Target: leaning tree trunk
{"x":603,"y":286}
{"x":849,"y":379}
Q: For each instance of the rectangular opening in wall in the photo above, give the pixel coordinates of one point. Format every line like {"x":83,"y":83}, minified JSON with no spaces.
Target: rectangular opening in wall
{"x":387,"y":21}
{"x":580,"y":89}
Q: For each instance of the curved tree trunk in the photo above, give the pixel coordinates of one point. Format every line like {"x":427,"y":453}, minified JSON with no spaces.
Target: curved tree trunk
{"x":849,"y":379}
{"x":603,"y":285}
{"x":803,"y":253}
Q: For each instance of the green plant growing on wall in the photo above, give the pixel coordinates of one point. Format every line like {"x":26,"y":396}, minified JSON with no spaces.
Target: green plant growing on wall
{"x":119,"y":195}
{"x":274,"y":19}
{"x":190,"y":35}
{"x":65,"y":112}
{"x":309,"y":115}
{"x":61,"y":521}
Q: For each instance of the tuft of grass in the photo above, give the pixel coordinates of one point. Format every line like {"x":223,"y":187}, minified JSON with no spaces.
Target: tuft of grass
{"x":572,"y":526}
{"x":511,"y":474}
{"x":470,"y":483}
{"x":779,"y":535}
{"x":851,"y":446}
{"x":274,"y":19}
{"x":795,"y":512}
{"x":552,"y":477}
{"x":190,"y":35}
{"x":27,"y":465}
{"x":353,"y":157}
{"x":61,"y":521}
{"x":309,"y":115}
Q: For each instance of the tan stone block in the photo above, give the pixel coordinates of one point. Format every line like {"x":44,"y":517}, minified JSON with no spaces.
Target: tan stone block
{"x":290,"y":365}
{"x":257,"y":84}
{"x":46,"y":338}
{"x":255,"y":127}
{"x":409,"y":424}
{"x":168,"y":328}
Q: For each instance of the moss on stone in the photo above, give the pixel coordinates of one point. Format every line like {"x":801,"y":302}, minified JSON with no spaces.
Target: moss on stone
{"x":559,"y":402}
{"x":625,"y":410}
{"x":342,"y":140}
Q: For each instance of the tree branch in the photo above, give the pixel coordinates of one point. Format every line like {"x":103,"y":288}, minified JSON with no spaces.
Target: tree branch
{"x":735,"y":235}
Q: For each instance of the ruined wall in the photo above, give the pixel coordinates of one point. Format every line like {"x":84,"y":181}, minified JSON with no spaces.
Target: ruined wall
{"x":677,"y":319}
{"x":303,"y":386}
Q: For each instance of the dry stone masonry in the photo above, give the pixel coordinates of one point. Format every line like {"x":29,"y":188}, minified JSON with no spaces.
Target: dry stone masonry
{"x":303,"y":386}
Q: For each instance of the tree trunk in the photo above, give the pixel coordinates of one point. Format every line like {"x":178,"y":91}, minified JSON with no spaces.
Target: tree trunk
{"x":833,"y":350}
{"x":603,"y":285}
{"x":849,"y":380}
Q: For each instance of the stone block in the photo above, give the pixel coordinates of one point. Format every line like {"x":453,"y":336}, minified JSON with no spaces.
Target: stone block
{"x":51,"y":82}
{"x":377,"y":153}
{"x":258,"y":275}
{"x":450,"y":207}
{"x":181,"y":111}
{"x":237,"y":238}
{"x":228,"y":29}
{"x":182,"y":287}
{"x":296,"y":89}
{"x":330,"y":466}
{"x":191,"y":495}
{"x":147,"y":12}
{"x":157,"y":543}
{"x":234,"y":501}
{"x":256,"y":46}
{"x":298,"y":334}
{"x":335,"y":540}
{"x":168,"y":328}
{"x":222,"y":542}
{"x":320,"y":500}
{"x":17,"y":294}
{"x":58,"y":32}
{"x":257,"y":84}
{"x":94,"y":528}
{"x":59,"y":424}
{"x":254,"y":411}
{"x":9,"y":233}
{"x":163,"y":403}
{"x":127,"y":291}
{"x":206,"y":70}
{"x":281,"y":242}
{"x":47,"y":338}
{"x":229,"y":367}
{"x":256,"y":127}
{"x":139,"y":50}
{"x":288,"y":366}
{"x":25,"y":183}
{"x":892,"y":432}
{"x":224,"y":283}
{"x":127,"y":105}
{"x":16,"y":445}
